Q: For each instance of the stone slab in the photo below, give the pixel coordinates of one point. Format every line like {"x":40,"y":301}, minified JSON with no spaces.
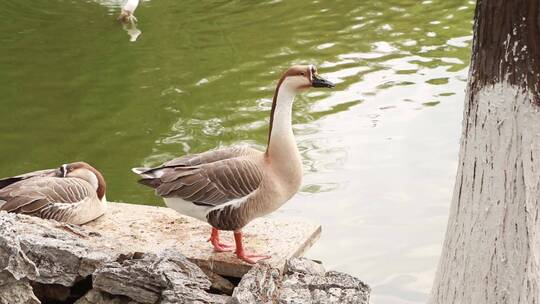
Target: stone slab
{"x":153,"y":229}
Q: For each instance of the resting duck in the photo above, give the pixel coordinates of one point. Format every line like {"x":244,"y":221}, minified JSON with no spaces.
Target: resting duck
{"x":230,"y":187}
{"x":128,"y":9}
{"x":73,"y":193}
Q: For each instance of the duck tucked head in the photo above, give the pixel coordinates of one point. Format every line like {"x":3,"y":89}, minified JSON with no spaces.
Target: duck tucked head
{"x":85,"y":172}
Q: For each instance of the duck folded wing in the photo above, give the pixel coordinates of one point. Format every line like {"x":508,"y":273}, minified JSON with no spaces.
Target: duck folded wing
{"x":209,"y":156}
{"x":4,"y":182}
{"x":36,"y":195}
{"x":210,"y":184}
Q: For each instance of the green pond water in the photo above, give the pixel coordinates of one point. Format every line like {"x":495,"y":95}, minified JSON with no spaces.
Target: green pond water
{"x":379,"y":151}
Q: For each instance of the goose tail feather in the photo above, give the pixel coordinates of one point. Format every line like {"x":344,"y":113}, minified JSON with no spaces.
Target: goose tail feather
{"x":144,"y":172}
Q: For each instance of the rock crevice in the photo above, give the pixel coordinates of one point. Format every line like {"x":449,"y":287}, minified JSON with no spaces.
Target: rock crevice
{"x":45,"y":261}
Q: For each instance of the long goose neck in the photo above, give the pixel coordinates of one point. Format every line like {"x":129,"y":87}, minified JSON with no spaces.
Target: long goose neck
{"x":102,"y":186}
{"x":281,"y":138}
{"x":89,"y":174}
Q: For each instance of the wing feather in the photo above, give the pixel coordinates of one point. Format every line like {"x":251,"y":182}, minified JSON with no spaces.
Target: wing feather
{"x":12,"y":204}
{"x":208,"y":178}
{"x":33,"y":195}
{"x":189,"y":162}
{"x":214,"y":183}
{"x":209,"y":156}
{"x":4,"y":182}
{"x":32,"y":206}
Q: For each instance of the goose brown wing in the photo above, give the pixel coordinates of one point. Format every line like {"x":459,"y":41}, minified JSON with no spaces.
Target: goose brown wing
{"x":208,"y":157}
{"x":36,"y":194}
{"x":4,"y":182}
{"x":211,"y":184}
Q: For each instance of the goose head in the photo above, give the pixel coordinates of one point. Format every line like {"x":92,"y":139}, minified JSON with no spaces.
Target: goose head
{"x":302,"y":77}
{"x":296,"y":79}
{"x":85,"y":172}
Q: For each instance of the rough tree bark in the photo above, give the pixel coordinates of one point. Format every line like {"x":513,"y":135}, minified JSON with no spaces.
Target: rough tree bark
{"x":491,"y":252}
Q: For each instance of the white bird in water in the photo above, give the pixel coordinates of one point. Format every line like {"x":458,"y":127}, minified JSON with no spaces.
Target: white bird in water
{"x":128,"y":9}
{"x":132,"y":30}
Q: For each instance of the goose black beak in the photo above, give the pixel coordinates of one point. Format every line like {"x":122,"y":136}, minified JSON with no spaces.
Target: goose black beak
{"x":319,"y":82}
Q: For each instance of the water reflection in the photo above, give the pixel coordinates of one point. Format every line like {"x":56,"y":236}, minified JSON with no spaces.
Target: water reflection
{"x":128,"y":11}
{"x":124,"y":9}
{"x":131,"y":29}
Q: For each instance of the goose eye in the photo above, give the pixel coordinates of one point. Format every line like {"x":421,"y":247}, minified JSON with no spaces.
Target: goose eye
{"x":302,"y":74}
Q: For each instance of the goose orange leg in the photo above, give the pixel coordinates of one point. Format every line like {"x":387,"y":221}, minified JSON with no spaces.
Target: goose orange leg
{"x":219,"y":246}
{"x":245,"y":256}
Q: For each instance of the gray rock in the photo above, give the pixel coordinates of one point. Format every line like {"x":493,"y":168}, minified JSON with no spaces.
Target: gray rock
{"x":149,"y":278}
{"x":133,"y":278}
{"x":332,"y":287}
{"x":44,"y":252}
{"x":54,"y":257}
{"x":13,"y":291}
{"x":184,"y":295}
{"x":259,"y":285}
{"x":58,"y":260}
{"x":12,"y":257}
{"x":305,"y":266}
{"x":304,"y":281}
{"x":95,"y":296}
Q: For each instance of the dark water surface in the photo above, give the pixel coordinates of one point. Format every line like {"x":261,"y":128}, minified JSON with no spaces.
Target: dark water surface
{"x":380,"y":151}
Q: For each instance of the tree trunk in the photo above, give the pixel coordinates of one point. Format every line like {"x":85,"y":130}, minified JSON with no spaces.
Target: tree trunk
{"x":491,"y":253}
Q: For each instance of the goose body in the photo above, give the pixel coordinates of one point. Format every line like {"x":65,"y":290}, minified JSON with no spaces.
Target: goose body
{"x":73,"y":193}
{"x":229,"y":187}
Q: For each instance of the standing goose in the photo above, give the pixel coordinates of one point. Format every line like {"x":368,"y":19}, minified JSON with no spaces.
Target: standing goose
{"x":73,"y":193}
{"x":230,"y":187}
